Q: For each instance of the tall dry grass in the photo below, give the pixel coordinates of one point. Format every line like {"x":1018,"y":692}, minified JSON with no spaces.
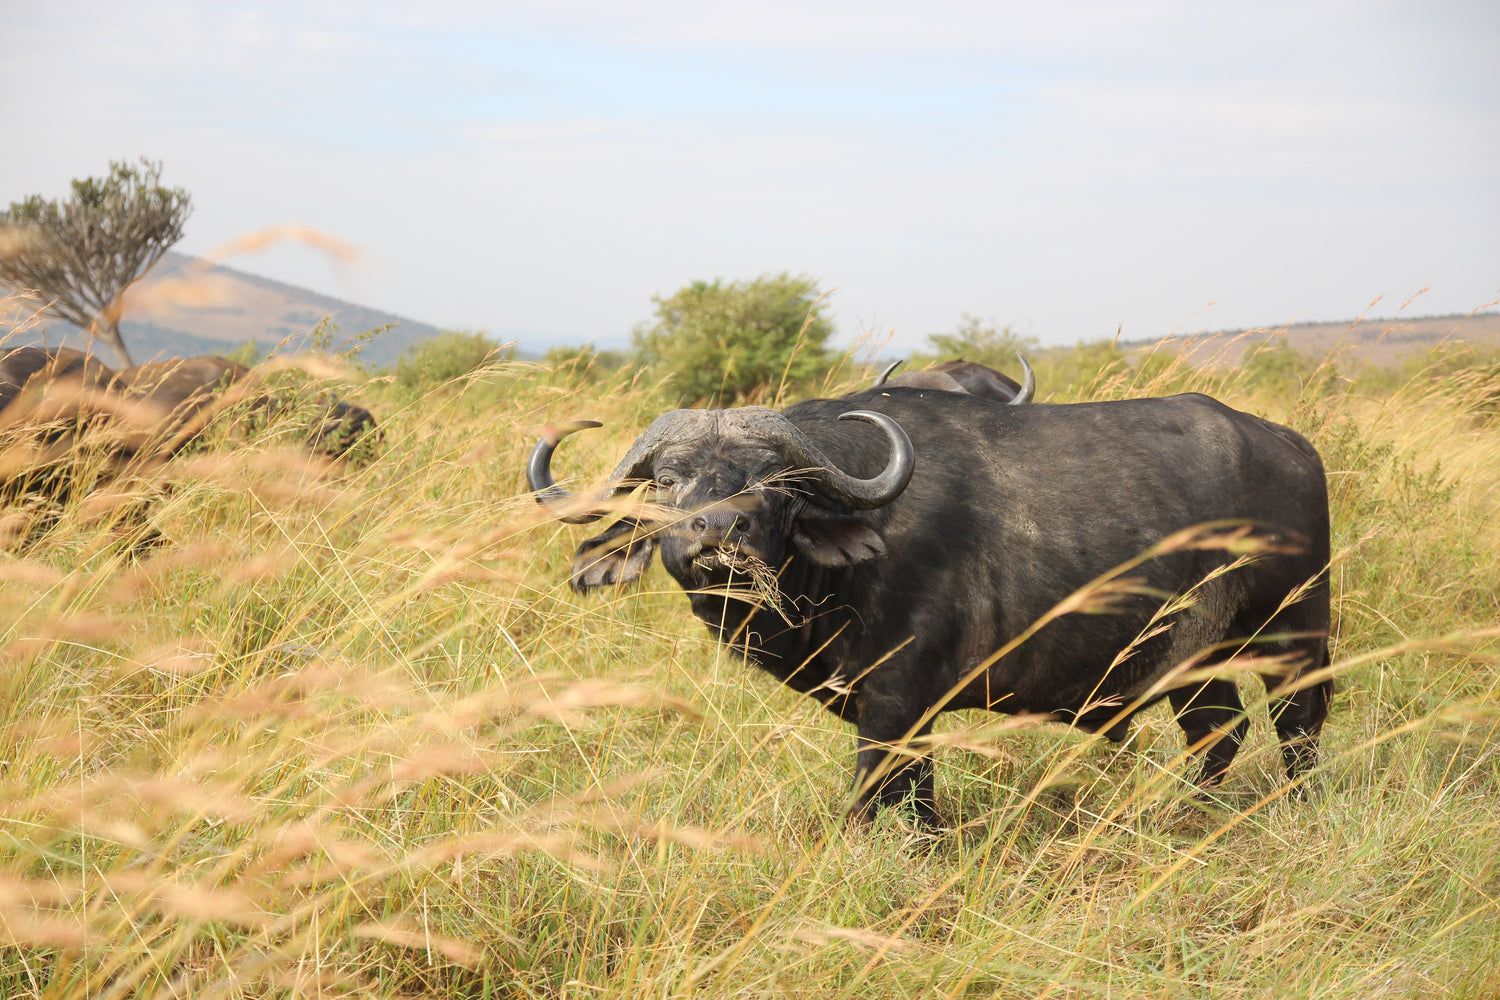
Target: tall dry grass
{"x":274,"y":729}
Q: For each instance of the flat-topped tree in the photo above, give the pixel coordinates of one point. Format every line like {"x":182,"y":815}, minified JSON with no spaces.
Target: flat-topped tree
{"x":83,"y":252}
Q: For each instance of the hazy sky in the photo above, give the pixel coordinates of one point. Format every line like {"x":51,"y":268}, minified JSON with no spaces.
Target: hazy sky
{"x":542,"y":169}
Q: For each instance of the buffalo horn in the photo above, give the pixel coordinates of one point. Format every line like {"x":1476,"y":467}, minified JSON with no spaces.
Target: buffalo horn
{"x":635,"y":466}
{"x":539,"y":471}
{"x":1028,"y":382}
{"x":826,"y":477}
{"x":880,"y":379}
{"x":754,"y":422}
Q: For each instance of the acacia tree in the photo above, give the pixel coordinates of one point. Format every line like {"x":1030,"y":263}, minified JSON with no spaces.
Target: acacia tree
{"x":83,"y":252}
{"x":721,"y":340}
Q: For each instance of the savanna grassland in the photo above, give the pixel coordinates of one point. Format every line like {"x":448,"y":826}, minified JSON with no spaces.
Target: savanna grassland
{"x":270,"y":728}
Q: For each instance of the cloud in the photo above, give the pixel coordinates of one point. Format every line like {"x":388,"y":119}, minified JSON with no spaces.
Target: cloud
{"x":551,"y":165}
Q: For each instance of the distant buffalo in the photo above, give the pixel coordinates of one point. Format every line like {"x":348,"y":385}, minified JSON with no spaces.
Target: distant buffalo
{"x":967,"y":377}
{"x":48,"y":395}
{"x":186,"y":391}
{"x":49,"y":398}
{"x":38,"y":366}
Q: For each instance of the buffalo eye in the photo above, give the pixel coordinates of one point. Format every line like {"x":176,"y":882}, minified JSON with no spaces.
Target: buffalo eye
{"x":666,"y":481}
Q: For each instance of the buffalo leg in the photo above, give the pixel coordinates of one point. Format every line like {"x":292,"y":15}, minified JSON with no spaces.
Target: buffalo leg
{"x":889,"y":769}
{"x":1118,"y":730}
{"x":1299,"y":721}
{"x":1213,"y":719}
{"x":1299,"y":715}
{"x":884,"y":778}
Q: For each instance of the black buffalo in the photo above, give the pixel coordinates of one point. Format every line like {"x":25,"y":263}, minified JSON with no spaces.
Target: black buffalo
{"x":48,"y":395}
{"x":186,"y":393}
{"x":63,"y":412}
{"x":967,"y":377}
{"x":35,"y":367}
{"x":912,"y":535}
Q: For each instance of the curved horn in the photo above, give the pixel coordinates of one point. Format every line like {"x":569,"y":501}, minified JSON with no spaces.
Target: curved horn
{"x":880,"y":379}
{"x":636,"y":465}
{"x":539,"y":471}
{"x":826,"y":477}
{"x":1028,"y":382}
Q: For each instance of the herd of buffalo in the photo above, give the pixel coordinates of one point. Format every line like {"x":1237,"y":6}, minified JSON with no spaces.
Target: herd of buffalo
{"x":939,"y":542}
{"x":57,"y":402}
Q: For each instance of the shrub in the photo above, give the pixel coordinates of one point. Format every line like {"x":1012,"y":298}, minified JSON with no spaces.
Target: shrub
{"x":1277,"y":367}
{"x":721,"y":342}
{"x":451,"y":355}
{"x":994,"y":346}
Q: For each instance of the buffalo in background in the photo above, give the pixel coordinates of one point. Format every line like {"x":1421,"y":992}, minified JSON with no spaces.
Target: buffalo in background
{"x":879,"y":551}
{"x":967,"y":377}
{"x":67,"y":420}
{"x":44,"y":366}
{"x":48,"y":398}
{"x":182,"y":390}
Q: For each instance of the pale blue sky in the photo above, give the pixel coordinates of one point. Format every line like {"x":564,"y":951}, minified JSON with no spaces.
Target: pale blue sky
{"x":543,"y":169}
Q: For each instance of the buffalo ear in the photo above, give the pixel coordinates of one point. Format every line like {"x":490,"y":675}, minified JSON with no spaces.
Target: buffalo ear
{"x":618,"y":555}
{"x":836,"y":541}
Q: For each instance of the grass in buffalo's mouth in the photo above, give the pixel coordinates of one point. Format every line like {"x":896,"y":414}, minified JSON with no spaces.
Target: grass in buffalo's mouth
{"x":744,"y":565}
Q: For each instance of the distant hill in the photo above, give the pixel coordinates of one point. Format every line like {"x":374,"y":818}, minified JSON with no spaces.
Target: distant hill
{"x":226,"y":308}
{"x":1369,"y":341}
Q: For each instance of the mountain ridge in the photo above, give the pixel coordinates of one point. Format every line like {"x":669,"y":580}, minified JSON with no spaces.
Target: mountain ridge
{"x":1369,"y":341}
{"x":190,"y":306}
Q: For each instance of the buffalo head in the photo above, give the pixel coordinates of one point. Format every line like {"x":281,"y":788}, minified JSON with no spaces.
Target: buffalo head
{"x":731,"y":488}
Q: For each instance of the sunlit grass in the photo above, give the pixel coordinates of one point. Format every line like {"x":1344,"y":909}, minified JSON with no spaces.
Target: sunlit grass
{"x":275,"y":728}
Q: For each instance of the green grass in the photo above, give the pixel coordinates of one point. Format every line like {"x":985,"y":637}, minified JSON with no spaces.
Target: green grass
{"x":346,"y":732}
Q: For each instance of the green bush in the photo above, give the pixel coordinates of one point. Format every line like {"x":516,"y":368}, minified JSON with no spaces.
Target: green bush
{"x":451,"y":355}
{"x":994,"y":346}
{"x":248,"y":354}
{"x":1467,"y":373}
{"x":719,"y":342}
{"x":1278,"y":367}
{"x":1083,"y":372}
{"x":1162,"y":373}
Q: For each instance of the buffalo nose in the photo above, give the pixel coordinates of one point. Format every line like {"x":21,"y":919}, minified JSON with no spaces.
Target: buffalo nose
{"x":712,"y":527}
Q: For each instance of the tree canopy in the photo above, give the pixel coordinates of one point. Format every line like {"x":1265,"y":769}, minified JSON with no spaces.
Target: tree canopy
{"x":720,"y":341}
{"x":84,"y":251}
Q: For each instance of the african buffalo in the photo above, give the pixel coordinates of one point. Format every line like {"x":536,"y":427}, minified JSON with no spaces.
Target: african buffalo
{"x":186,"y":392}
{"x":62,"y":411}
{"x":877,"y":551}
{"x":969,"y":377}
{"x":38,"y":366}
{"x":48,"y":395}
